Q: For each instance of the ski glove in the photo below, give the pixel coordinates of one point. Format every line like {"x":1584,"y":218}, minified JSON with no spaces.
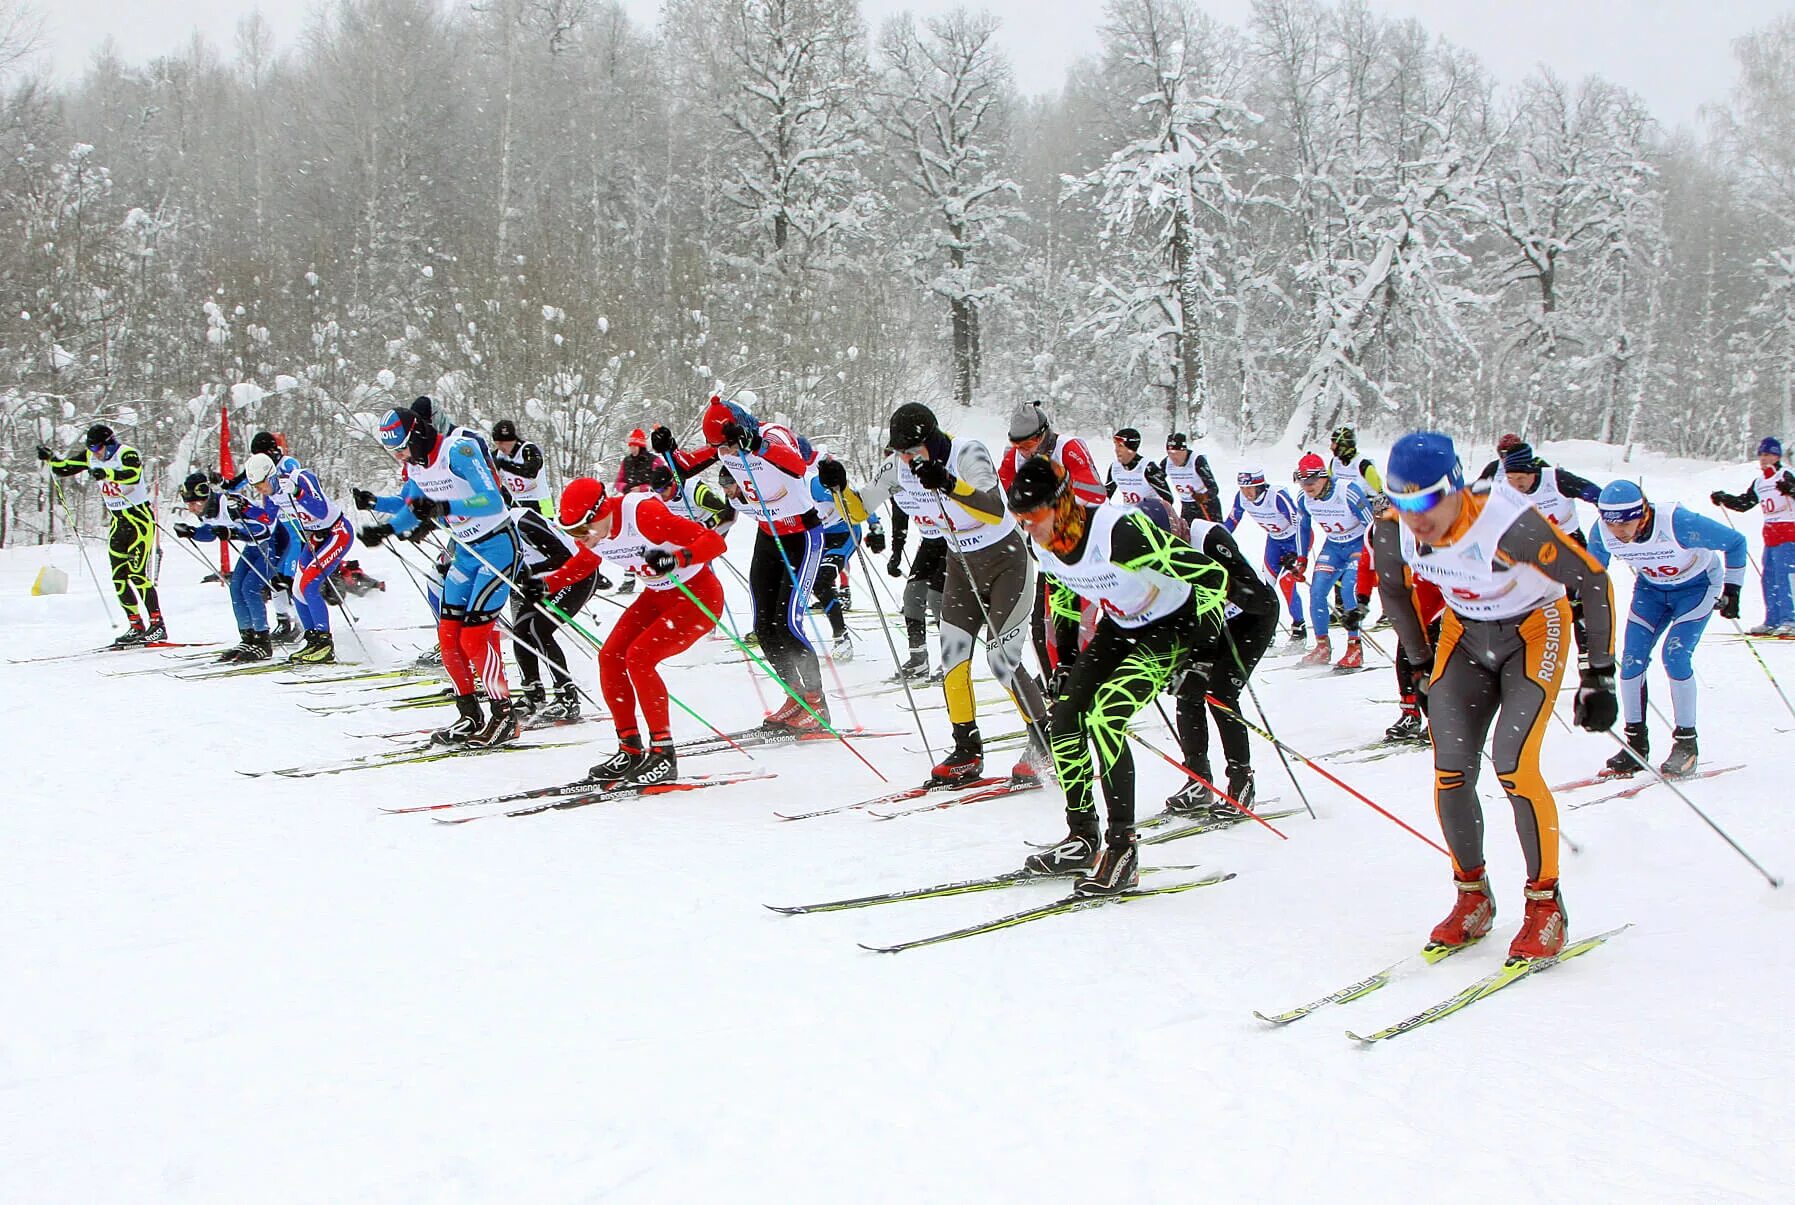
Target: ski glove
{"x":875,"y":540}
{"x":932,"y":475}
{"x":662,"y":441}
{"x":1301,"y":567}
{"x":662,"y":561}
{"x":895,"y":565}
{"x":97,"y":473}
{"x":733,"y":433}
{"x":44,"y":454}
{"x":429,"y":508}
{"x":1728,"y":606}
{"x":833,"y":474}
{"x":1720,"y":498}
{"x":1787,"y":485}
{"x":186,"y":530}
{"x":373,"y":533}
{"x":281,"y":581}
{"x":1596,"y":707}
{"x":364,"y":499}
{"x":1423,"y":678}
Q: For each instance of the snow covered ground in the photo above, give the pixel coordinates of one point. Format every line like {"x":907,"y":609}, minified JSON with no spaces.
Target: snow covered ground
{"x":224,"y":988}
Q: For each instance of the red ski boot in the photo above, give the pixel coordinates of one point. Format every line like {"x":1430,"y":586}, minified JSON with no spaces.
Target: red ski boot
{"x":1353,"y":657}
{"x":1321,"y":654}
{"x":1472,"y":913}
{"x":1545,"y":926}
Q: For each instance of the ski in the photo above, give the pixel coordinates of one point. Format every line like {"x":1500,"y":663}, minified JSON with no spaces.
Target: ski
{"x":1010,"y":878}
{"x":904,"y":795}
{"x":444,"y":695}
{"x":762,"y":737}
{"x":619,"y":791}
{"x":1428,"y":956}
{"x":1508,"y":973}
{"x":1000,"y":789}
{"x":1070,"y":903}
{"x":1641,"y":787}
{"x":114,"y":648}
{"x":401,"y":757}
{"x":999,"y":741}
{"x":1379,"y":750}
{"x":1215,"y":825}
{"x":260,"y":667}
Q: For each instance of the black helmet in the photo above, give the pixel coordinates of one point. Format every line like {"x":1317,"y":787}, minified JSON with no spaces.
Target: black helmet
{"x":197,"y":487}
{"x":911,"y":426}
{"x":265,"y":443}
{"x":660,"y":477}
{"x":1345,"y":444}
{"x":98,"y":436}
{"x":1038,"y":483}
{"x":504,"y":431}
{"x":1131,"y":439}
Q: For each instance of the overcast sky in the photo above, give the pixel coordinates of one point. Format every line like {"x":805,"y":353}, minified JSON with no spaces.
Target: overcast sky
{"x":1675,"y":53}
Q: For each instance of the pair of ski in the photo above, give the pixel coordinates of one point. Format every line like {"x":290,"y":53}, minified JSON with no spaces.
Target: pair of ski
{"x":761,"y":737}
{"x":1162,"y":831}
{"x":1641,"y":787}
{"x":114,"y":648}
{"x":1504,"y":976}
{"x":948,"y":795}
{"x":583,"y":792}
{"x":1058,"y":907}
{"x":412,"y":756}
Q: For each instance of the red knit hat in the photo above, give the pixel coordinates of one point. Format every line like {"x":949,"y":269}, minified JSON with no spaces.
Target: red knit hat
{"x":580,"y":500}
{"x":715,"y":415}
{"x":638,"y":439}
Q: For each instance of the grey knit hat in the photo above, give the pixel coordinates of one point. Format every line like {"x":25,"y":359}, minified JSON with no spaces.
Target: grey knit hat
{"x":1027,"y":420}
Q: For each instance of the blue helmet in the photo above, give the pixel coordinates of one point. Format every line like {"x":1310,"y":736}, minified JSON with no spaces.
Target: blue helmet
{"x":1621,"y":501}
{"x":1423,"y":468}
{"x":396,"y":427}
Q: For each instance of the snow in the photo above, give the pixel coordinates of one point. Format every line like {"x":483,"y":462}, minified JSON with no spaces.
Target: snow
{"x":228,"y":988}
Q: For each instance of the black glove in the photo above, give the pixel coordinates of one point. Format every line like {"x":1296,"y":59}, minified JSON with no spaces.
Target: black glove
{"x":429,"y":508}
{"x":1423,"y":677}
{"x":895,"y":566}
{"x":416,"y":535}
{"x":45,"y":454}
{"x":532,"y":590}
{"x":932,"y":475}
{"x":662,"y":561}
{"x":214,"y":477}
{"x":1057,"y":680}
{"x":96,"y":472}
{"x":1786,"y":485}
{"x":1719,"y":498}
{"x":833,"y":474}
{"x":187,"y":531}
{"x":1596,"y":708}
{"x":364,"y":499}
{"x":875,"y":540}
{"x":734,"y":433}
{"x":662,"y":441}
{"x":280,"y":581}
{"x":1728,"y":606}
{"x":373,"y":533}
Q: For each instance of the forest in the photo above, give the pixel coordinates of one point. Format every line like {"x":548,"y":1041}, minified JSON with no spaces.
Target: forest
{"x":545,"y":210}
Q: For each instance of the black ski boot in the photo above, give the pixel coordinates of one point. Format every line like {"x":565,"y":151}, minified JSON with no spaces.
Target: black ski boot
{"x":530,"y":699}
{"x":1240,"y":786}
{"x":238,"y":651}
{"x":1191,"y":799}
{"x":564,"y":710}
{"x":285,"y":631}
{"x":617,"y":767}
{"x":1408,"y":728}
{"x":1118,"y":868}
{"x":157,"y":632}
{"x":914,"y":668}
{"x":131,"y":637}
{"x":965,"y":762}
{"x":1078,"y":851}
{"x":1299,"y":634}
{"x":469,"y":720}
{"x":1683,"y":754}
{"x":629,"y":584}
{"x":260,"y":648}
{"x":658,"y":765}
{"x":1631,"y":760}
{"x":503,"y":727}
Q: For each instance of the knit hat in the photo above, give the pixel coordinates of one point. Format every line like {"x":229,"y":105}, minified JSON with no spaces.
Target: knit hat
{"x":505,"y":431}
{"x":1770,"y":445}
{"x":1311,"y":467}
{"x":637,"y":438}
{"x":1027,"y":420}
{"x":1621,"y":501}
{"x":1176,"y":442}
{"x":1519,"y":459}
{"x":1131,"y":439}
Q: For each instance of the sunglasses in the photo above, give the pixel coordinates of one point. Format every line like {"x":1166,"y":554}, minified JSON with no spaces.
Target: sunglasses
{"x":1415,"y":502}
{"x":1626,"y":515}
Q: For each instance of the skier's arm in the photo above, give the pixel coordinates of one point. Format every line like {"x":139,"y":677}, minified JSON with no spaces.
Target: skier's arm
{"x":1534,"y":540}
{"x":1156,"y":480}
{"x":1736,"y":502}
{"x":1573,"y":486}
{"x":1211,"y":501}
{"x":1697,"y":531}
{"x":1081,"y":471}
{"x":1295,"y":512}
{"x":527,"y":463}
{"x":975,"y":486}
{"x":70,"y":465}
{"x":1368,"y":470}
{"x":1393,"y":591}
{"x":1237,"y":514}
{"x":1109,"y":482}
{"x":1246,"y":589}
{"x":1136,"y":542}
{"x":1598,"y":546}
{"x":696,"y":543}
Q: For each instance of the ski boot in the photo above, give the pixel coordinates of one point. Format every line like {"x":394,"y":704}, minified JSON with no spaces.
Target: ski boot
{"x":530,"y":699}
{"x":1191,"y":799}
{"x":629,"y":584}
{"x":1322,"y":654}
{"x":1631,"y":760}
{"x":847,"y":599}
{"x":1299,"y":634}
{"x":260,"y":648}
{"x":843,"y":648}
{"x":1408,"y":727}
{"x":1764,"y":629}
{"x":156,"y":632}
{"x":1035,"y":761}
{"x":564,"y":710}
{"x":469,"y":720}
{"x":1472,"y":914}
{"x":965,"y":762}
{"x":914,"y":668}
{"x":1354,"y":656}
{"x":1545,"y":926}
{"x":660,"y":764}
{"x":430,"y":658}
{"x":1118,"y":868}
{"x":502,"y":727}
{"x":318,"y":649}
{"x":794,"y":717}
{"x":1241,"y":786}
{"x":238,"y":651}
{"x":1682,"y":754}
{"x":1077,"y":852}
{"x":618,"y":767}
{"x":285,"y":631}
{"x":131,"y":637}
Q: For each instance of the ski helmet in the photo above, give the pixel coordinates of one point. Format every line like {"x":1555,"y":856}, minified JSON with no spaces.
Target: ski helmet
{"x":1038,"y":482}
{"x":504,"y":431}
{"x":1621,"y":501}
{"x":265,"y":443}
{"x":1041,"y":485}
{"x":197,"y":487}
{"x":258,"y":468}
{"x":912,"y":425}
{"x":1422,"y":470}
{"x":580,"y":501}
{"x":98,"y":436}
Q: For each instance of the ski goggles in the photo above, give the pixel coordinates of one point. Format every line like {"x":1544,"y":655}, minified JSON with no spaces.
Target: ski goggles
{"x":1250,"y":479}
{"x":1423,"y":498}
{"x":1311,"y":475}
{"x":1625,"y":513}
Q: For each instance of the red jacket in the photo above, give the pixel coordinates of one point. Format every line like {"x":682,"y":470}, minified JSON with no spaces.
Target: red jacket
{"x":698,"y":542}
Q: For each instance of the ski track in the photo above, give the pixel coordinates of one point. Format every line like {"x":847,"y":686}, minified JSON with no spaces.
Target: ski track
{"x":223,"y":989}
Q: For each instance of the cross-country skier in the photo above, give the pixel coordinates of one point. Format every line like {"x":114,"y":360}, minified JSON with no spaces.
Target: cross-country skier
{"x":923,"y":586}
{"x":283,"y":544}
{"x":841,"y":540}
{"x":131,"y":526}
{"x":324,"y":538}
{"x":768,"y":462}
{"x":1161,"y":604}
{"x":522,"y":470}
{"x":1680,"y":581}
{"x":637,"y":532}
{"x":1343,"y":513}
{"x":1191,"y":481}
{"x":1502,"y":652}
{"x":1287,"y":535}
{"x":695,"y":498}
{"x":449,"y":481}
{"x":1772,"y":490}
{"x":1554,"y":493}
{"x":545,"y":548}
{"x":950,"y":483}
{"x":219,"y":515}
{"x":1251,"y":616}
{"x":1135,"y":481}
{"x":1348,"y":466}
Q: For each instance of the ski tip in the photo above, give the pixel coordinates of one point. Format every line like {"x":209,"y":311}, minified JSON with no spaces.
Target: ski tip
{"x":1361,"y":1041}
{"x":877,"y":949}
{"x":783,"y":909}
{"x":1266,"y":1019}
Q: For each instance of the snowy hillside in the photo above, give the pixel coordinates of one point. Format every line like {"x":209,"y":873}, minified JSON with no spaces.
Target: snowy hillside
{"x":231,"y":988}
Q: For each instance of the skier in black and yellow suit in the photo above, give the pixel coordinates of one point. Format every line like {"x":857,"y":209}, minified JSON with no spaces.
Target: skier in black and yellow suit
{"x":132,"y":537}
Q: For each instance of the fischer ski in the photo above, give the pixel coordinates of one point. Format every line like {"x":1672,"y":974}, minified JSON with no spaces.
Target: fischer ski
{"x":998,"y":789}
{"x":114,"y":648}
{"x":1508,"y":973}
{"x":904,"y":795}
{"x":619,"y":791}
{"x":762,"y":737}
{"x":1648,"y":784}
{"x":1070,"y":903}
{"x":1216,"y":825}
{"x":1428,"y":956}
{"x":1009,"y":878}
{"x":402,"y":757}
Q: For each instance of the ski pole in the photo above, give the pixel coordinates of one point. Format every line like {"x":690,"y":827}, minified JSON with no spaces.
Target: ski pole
{"x":1191,"y":774}
{"x":1706,"y":819}
{"x":1759,"y":658}
{"x":1246,"y":680}
{"x":885,"y":627}
{"x":1360,"y":796}
{"x":81,"y":547}
{"x":783,"y":684}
